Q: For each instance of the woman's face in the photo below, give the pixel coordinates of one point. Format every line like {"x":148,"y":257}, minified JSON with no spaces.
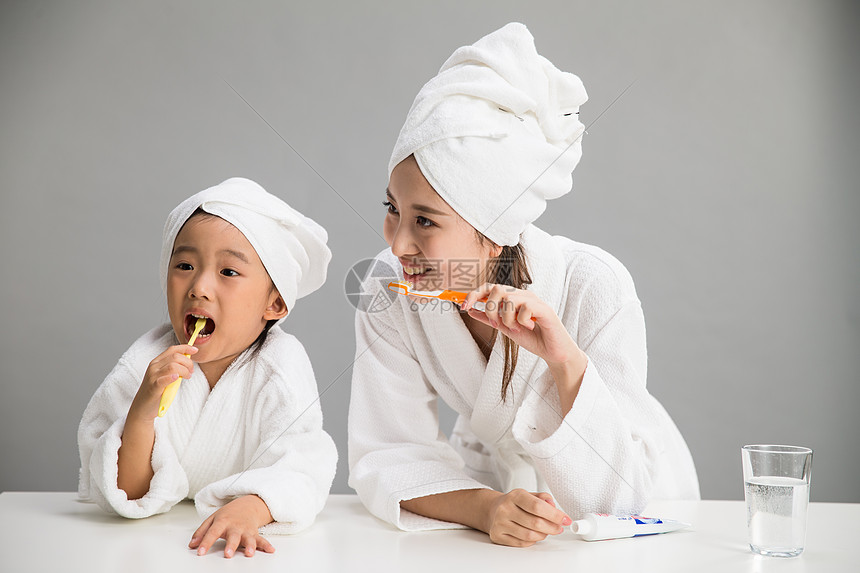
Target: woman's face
{"x":437,"y":248}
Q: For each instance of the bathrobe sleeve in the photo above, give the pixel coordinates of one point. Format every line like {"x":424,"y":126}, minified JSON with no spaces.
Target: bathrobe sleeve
{"x":290,"y":460}
{"x":99,"y":439}
{"x":617,"y":447}
{"x":396,"y":448}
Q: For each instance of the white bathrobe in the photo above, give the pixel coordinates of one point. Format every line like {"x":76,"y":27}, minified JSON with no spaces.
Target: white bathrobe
{"x":616,"y":448}
{"x":258,"y":431}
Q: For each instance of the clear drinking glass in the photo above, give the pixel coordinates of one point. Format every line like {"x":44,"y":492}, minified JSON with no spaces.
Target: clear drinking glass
{"x":776,"y":489}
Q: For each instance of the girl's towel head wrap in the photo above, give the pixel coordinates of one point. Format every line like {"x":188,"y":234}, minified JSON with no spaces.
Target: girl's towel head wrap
{"x":291,"y":246}
{"x":496,"y":132}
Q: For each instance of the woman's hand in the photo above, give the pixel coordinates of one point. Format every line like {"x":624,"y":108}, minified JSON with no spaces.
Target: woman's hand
{"x":162,"y":371}
{"x":520,"y":518}
{"x":510,"y":311}
{"x":237,"y":523}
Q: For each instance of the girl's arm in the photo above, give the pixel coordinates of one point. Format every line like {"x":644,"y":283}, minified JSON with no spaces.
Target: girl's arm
{"x":134,"y":466}
{"x":134,"y":469}
{"x":289,"y":461}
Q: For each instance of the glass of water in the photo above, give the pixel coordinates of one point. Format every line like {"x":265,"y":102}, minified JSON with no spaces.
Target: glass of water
{"x":776,"y":489}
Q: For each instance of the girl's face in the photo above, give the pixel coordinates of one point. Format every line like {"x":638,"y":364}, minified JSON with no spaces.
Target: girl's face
{"x":437,"y":248}
{"x":215,"y":273}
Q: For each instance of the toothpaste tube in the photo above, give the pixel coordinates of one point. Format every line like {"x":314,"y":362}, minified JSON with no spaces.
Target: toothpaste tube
{"x":600,"y":526}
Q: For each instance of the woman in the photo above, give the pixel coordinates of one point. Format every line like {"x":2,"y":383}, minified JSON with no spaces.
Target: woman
{"x":549,"y":379}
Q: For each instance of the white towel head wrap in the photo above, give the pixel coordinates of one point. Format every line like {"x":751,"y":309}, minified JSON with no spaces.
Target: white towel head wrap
{"x":291,"y":246}
{"x":496,"y":133}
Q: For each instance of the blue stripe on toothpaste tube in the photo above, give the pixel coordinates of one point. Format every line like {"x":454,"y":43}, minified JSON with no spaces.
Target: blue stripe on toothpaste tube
{"x":600,"y":526}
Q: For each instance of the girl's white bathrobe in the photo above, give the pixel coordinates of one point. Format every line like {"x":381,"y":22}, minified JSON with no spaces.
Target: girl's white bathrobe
{"x":614,"y":450}
{"x":258,"y":431}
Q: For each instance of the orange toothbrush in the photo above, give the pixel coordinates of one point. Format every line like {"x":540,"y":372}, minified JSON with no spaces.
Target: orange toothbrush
{"x":450,"y":295}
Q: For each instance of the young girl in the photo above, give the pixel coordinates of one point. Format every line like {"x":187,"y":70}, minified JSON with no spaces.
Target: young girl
{"x":243,"y":436}
{"x":548,"y":377}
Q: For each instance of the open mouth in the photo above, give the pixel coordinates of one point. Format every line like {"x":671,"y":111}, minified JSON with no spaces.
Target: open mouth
{"x":415,"y":273}
{"x":191,"y":324}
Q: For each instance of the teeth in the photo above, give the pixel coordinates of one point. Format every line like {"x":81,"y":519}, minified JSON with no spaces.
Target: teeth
{"x":196,"y":317}
{"x":415,"y":270}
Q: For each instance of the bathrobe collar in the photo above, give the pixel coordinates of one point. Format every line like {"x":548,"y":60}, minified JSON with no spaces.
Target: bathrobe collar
{"x":490,"y":417}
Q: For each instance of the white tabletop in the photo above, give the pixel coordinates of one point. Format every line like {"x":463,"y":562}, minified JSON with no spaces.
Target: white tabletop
{"x":54,"y":532}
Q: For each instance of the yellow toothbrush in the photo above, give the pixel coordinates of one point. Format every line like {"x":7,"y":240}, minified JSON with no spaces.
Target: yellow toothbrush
{"x":170,"y":392}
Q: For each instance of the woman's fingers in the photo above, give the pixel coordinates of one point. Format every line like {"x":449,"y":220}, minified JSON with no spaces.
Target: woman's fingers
{"x":479,"y":316}
{"x":521,"y":518}
{"x":477,"y":294}
{"x":496,"y":304}
{"x":538,"y":507}
{"x":505,"y":305}
{"x":524,"y":317}
{"x":494,"y":295}
{"x":537,"y":524}
{"x":518,"y":536}
{"x":541,"y":518}
{"x":508,"y":310}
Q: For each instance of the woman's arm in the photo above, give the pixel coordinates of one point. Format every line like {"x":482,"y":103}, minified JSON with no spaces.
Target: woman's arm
{"x":568,"y":379}
{"x":396,"y":450}
{"x":616,"y":446}
{"x":518,"y":518}
{"x":467,"y":506}
{"x":534,"y":325}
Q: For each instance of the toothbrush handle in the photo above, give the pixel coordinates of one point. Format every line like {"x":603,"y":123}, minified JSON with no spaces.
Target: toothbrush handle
{"x":170,"y":392}
{"x":460,"y":298}
{"x":454,"y":296}
{"x":167,"y":396}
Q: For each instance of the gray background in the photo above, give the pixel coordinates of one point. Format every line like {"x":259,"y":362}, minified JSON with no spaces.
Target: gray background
{"x":725,"y":178}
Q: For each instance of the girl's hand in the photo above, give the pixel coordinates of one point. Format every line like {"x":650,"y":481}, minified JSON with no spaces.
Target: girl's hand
{"x":521,"y":519}
{"x":164,"y":369}
{"x":511,"y":310}
{"x":237,"y":523}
